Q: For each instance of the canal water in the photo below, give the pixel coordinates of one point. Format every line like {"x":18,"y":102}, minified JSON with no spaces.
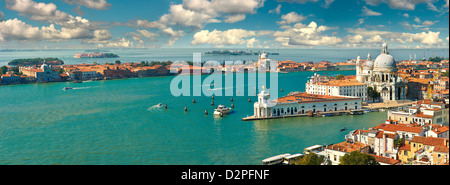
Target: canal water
{"x":119,"y":122}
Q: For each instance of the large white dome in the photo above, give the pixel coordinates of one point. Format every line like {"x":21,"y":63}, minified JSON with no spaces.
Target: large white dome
{"x":385,"y":62}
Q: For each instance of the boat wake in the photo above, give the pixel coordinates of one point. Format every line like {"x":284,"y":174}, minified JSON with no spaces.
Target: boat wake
{"x":155,"y":107}
{"x":81,"y":88}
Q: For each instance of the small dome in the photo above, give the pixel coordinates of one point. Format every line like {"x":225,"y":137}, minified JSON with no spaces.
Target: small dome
{"x":368,"y":65}
{"x":44,"y":66}
{"x":264,"y":55}
{"x":385,"y":62}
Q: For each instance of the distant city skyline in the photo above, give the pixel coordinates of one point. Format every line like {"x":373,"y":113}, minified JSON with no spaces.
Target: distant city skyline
{"x":271,"y":24}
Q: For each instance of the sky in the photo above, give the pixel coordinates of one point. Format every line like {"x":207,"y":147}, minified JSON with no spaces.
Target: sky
{"x":274,"y":24}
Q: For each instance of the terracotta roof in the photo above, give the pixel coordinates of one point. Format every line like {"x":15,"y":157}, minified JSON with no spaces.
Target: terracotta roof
{"x":430,"y":141}
{"x":395,"y":128}
{"x":441,"y":149}
{"x":422,"y":115}
{"x":341,"y":83}
{"x":346,"y":147}
{"x":305,"y":97}
{"x":386,"y":160}
{"x":380,"y":135}
{"x":405,"y":147}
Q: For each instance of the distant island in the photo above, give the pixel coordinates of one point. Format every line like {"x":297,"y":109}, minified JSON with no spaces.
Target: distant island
{"x":236,"y":52}
{"x":36,"y":61}
{"x":96,"y":55}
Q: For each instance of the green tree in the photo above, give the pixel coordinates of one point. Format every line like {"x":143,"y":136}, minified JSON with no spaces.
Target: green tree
{"x":371,"y":93}
{"x":445,"y":74}
{"x":313,"y":159}
{"x":95,"y":63}
{"x":118,"y":62}
{"x":358,"y":158}
{"x":61,"y":70}
{"x":3,"y":70}
{"x":340,"y":77}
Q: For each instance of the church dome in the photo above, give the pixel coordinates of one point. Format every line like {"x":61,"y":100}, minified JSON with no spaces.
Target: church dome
{"x":264,"y":55}
{"x":44,"y":66}
{"x":368,"y":65}
{"x":385,"y":62}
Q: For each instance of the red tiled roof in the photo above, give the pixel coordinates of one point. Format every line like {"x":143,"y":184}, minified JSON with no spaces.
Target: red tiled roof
{"x":385,"y":160}
{"x":430,"y":141}
{"x":395,"y":128}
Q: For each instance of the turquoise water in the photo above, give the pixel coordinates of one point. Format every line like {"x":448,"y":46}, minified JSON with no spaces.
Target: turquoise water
{"x":115,"y":122}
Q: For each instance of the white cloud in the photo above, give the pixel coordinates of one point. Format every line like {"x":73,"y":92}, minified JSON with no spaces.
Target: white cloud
{"x":355,"y":39}
{"x":117,"y":43}
{"x":14,"y":29}
{"x":37,"y":11}
{"x":429,"y":23}
{"x":94,"y":4}
{"x":427,"y":38}
{"x":2,"y":15}
{"x":221,"y":38}
{"x":235,"y":18}
{"x":417,"y":20}
{"x":276,"y":10}
{"x":369,"y":12}
{"x":328,"y":3}
{"x":375,"y":39}
{"x":361,"y":21}
{"x":403,"y":4}
{"x":290,"y":18}
{"x":406,"y":15}
{"x":305,"y":35}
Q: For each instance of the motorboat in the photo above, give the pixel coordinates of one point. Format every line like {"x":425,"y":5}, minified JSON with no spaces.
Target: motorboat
{"x":344,"y":129}
{"x":67,"y":88}
{"x":222,"y":110}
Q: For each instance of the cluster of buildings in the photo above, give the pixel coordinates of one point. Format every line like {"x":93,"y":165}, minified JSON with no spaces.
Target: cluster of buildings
{"x":291,"y":66}
{"x":44,"y":73}
{"x":398,"y":142}
{"x":47,"y":73}
{"x":302,"y":104}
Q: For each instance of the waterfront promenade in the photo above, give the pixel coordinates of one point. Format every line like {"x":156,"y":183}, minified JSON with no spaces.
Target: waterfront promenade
{"x":389,"y":105}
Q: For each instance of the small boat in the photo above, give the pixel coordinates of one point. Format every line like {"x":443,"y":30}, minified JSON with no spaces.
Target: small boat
{"x":67,"y":88}
{"x":78,"y":82}
{"x":344,"y":129}
{"x":222,"y":110}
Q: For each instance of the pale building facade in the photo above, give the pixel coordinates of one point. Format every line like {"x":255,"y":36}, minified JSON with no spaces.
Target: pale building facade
{"x":297,"y":103}
{"x":324,"y":86}
{"x":381,"y":75}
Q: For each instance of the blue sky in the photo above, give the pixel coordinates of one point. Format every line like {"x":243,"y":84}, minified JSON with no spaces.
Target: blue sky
{"x":223,"y":23}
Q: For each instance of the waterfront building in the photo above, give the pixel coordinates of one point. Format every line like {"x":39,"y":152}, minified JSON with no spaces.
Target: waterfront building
{"x":346,"y":87}
{"x":382,"y":75}
{"x":425,"y":151}
{"x":10,"y":78}
{"x":422,"y":112}
{"x":439,"y":131}
{"x":335,"y":152}
{"x":296,"y":104}
{"x":380,"y":143}
{"x":43,"y":74}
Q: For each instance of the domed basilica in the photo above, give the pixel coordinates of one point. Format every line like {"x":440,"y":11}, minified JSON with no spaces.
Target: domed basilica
{"x":381,"y":75}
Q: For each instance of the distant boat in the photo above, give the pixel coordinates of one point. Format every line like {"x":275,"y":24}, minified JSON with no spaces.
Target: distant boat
{"x":67,"y":88}
{"x":344,"y":129}
{"x":222,"y":110}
